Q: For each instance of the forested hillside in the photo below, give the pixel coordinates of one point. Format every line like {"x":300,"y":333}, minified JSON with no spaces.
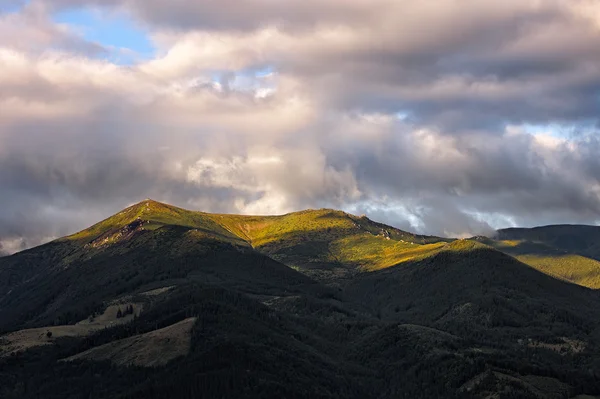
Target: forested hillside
{"x":160,"y":302}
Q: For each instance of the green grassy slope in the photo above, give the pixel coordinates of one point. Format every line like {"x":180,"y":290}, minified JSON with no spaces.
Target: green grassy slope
{"x":145,"y":226}
{"x":554,"y":261}
{"x":413,"y":316}
{"x":65,"y":280}
{"x":151,"y":215}
{"x":321,"y":243}
{"x":311,"y":237}
{"x":468,"y":285}
{"x":152,"y":241}
{"x":326,"y":243}
{"x":576,"y":268}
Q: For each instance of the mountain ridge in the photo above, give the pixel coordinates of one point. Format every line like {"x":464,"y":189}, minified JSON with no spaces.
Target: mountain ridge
{"x":282,"y":237}
{"x":158,"y":211}
{"x":316,"y":303}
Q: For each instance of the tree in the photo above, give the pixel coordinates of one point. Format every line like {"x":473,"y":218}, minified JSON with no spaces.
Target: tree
{"x":119,"y":313}
{"x":49,"y":334}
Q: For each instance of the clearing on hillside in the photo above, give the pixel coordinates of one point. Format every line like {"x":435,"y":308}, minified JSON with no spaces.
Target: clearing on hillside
{"x":152,"y":349}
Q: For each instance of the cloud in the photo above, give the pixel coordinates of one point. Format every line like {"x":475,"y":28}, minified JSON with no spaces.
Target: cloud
{"x":474,"y":68}
{"x":414,"y":113}
{"x":32,"y":30}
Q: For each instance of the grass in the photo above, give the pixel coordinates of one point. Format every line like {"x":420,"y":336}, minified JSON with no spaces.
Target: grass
{"x":509,"y":243}
{"x":329,"y":237}
{"x":578,"y":269}
{"x":33,"y":337}
{"x":465,"y":246}
{"x":265,"y":230}
{"x":307,"y":237}
{"x":152,"y":349}
{"x":446,"y":313}
{"x":375,"y":253}
{"x":553,"y":261}
{"x":153,"y":215}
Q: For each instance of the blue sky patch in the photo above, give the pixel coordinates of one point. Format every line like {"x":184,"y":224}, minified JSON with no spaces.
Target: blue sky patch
{"x":565,"y":131}
{"x":245,"y":79}
{"x":125,"y":40}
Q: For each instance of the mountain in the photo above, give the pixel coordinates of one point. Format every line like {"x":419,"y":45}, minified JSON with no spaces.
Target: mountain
{"x":146,"y":245}
{"x":576,"y":239}
{"x":468,"y":285}
{"x":150,"y":242}
{"x":157,"y":301}
{"x":569,"y":252}
{"x":329,"y":244}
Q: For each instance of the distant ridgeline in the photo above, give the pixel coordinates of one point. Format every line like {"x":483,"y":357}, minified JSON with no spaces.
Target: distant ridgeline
{"x":160,"y":302}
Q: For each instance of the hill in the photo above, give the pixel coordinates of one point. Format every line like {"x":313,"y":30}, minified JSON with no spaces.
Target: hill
{"x":329,"y":244}
{"x":145,"y":245}
{"x":568,"y":252}
{"x":576,"y":239}
{"x":470,"y":286}
{"x":312,"y":304}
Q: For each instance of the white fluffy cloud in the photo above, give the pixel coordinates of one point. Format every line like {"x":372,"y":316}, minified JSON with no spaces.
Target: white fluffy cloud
{"x":417,"y":113}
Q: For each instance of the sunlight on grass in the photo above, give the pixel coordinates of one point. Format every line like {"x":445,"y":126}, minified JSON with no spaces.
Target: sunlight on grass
{"x":322,"y":236}
{"x":575,"y":268}
{"x":555,"y":262}
{"x":263,"y":230}
{"x":509,"y":243}
{"x":375,"y":252}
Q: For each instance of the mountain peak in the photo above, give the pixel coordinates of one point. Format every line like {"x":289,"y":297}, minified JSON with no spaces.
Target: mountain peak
{"x":360,"y":241}
{"x":369,"y":290}
{"x":147,"y":210}
{"x":149,"y":204}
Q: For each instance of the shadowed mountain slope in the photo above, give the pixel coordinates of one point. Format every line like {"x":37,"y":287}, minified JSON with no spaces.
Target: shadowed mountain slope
{"x":312,"y":304}
{"x":575,"y":239}
{"x":468,"y":273}
{"x":148,"y":243}
{"x":568,"y":252}
{"x":152,"y":241}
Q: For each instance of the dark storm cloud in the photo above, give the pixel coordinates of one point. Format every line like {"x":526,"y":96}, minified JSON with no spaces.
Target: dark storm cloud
{"x":231,"y":14}
{"x":515,"y":174}
{"x":456,"y":68}
{"x":46,"y":197}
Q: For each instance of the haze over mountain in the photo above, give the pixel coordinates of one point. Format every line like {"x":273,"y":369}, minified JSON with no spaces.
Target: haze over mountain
{"x":486,"y":119}
{"x":157,"y":301}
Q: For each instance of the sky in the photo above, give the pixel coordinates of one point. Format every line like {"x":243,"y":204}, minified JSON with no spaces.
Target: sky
{"x":444,"y":117}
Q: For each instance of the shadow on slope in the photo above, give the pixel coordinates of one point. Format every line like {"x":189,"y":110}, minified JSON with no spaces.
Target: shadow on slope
{"x":577,"y":239}
{"x":468,"y":287}
{"x":238,"y":348}
{"x":62,"y":292}
{"x":558,"y":263}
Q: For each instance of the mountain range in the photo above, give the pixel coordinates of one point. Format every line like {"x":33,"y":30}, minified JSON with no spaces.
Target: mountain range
{"x":161,"y":302}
